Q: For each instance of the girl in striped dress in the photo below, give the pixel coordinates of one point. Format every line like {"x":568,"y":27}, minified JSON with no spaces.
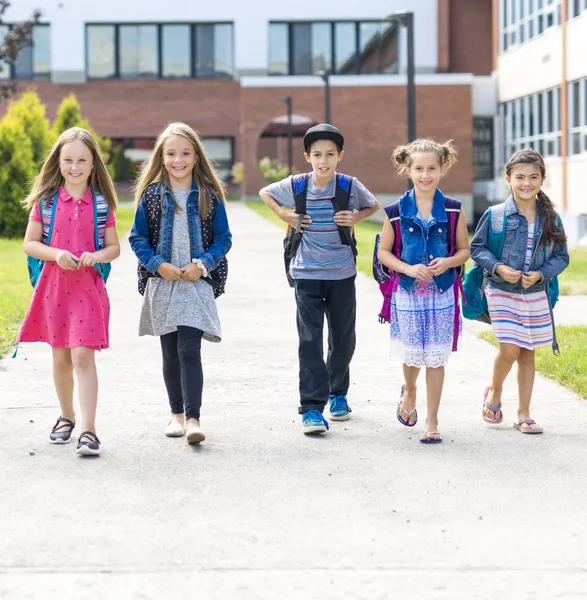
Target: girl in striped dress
{"x":534,"y":251}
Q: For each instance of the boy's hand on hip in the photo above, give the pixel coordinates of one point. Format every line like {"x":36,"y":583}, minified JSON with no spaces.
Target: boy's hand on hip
{"x":88,"y":259}
{"x":438,"y":266}
{"x":67,"y":261}
{"x":169,"y":272}
{"x":508,"y":274}
{"x":421,"y":272}
{"x":191,"y":272}
{"x":291,"y":218}
{"x":344,"y":218}
{"x":530,"y":278}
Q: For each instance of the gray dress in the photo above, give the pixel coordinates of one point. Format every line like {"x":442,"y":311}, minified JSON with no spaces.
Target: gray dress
{"x":168,"y":304}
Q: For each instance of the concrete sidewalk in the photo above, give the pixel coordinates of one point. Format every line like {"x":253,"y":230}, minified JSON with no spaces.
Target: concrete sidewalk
{"x":261,"y":512}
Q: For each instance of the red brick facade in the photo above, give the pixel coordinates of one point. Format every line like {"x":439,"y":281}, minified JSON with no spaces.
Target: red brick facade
{"x":373,"y":121}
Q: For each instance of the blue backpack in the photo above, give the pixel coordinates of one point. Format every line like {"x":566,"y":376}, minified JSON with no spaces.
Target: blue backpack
{"x":474,"y":300}
{"x":101,"y":209}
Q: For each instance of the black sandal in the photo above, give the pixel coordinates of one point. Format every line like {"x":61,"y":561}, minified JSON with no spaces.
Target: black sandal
{"x":88,"y":444}
{"x":61,"y":432}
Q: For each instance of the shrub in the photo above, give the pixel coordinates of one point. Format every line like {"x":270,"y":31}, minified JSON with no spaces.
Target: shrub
{"x":69,"y":115}
{"x":17,"y":170}
{"x":272,"y":170}
{"x":29,"y":112}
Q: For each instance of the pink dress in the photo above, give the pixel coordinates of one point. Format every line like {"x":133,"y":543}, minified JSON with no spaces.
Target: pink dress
{"x":69,"y":308}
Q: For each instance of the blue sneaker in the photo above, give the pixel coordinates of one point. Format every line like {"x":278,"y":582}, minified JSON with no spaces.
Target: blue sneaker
{"x":314,"y":422}
{"x":339,"y":408}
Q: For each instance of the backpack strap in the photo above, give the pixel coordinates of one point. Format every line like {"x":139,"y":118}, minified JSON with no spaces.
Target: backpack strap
{"x":392,"y":212}
{"x":48,"y":217}
{"x":101,"y":212}
{"x":342,"y":201}
{"x":497,"y":227}
{"x":299,"y":186}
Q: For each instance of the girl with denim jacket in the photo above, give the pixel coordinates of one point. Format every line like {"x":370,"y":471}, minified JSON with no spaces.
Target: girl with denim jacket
{"x":424,"y":313}
{"x":534,"y":251}
{"x":178,"y":195}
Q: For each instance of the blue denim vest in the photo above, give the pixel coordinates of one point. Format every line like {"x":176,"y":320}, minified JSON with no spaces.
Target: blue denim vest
{"x":422,"y":242}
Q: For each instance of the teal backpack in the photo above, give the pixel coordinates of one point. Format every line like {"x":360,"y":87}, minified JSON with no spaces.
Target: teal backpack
{"x":474,"y":300}
{"x":47,"y":212}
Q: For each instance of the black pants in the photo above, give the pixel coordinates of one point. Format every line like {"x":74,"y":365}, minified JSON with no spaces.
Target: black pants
{"x":182,"y":370}
{"x":336,"y":300}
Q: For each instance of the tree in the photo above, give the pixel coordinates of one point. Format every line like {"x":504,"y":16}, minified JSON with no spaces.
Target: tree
{"x":17,"y":38}
{"x":16,"y":172}
{"x":69,"y":115}
{"x":29,"y":112}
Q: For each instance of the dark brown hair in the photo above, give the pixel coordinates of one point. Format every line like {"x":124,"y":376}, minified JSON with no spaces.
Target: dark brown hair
{"x":551,"y":232}
{"x":402,"y":155}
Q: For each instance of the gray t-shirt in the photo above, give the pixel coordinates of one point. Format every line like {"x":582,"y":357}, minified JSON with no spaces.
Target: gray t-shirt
{"x":321,"y":254}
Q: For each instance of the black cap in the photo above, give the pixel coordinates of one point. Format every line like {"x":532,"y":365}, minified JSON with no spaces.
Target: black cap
{"x":324,"y":131}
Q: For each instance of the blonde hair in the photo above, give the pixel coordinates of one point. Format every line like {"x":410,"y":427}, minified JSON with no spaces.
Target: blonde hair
{"x":50,"y":179}
{"x":402,"y":155}
{"x":203,"y":173}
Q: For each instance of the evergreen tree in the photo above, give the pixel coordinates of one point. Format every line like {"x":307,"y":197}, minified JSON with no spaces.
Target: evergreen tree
{"x":17,"y":171}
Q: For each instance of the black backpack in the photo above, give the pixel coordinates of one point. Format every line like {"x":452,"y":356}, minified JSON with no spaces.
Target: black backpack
{"x":341,"y":201}
{"x":217,"y":277}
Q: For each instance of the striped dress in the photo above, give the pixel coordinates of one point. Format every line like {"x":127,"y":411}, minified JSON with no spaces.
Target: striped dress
{"x":520,"y":319}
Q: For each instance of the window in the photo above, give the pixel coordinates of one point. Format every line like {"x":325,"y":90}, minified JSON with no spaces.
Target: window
{"x":127,"y":155}
{"x":342,"y":47}
{"x":531,"y":121}
{"x":34,"y":60}
{"x":576,"y":7}
{"x":135,"y":51}
{"x":522,"y":20}
{"x":483,"y":147}
{"x":221,"y":152}
{"x":578,"y":116}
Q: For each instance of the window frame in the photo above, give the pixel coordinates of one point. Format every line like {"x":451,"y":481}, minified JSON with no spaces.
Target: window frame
{"x":577,"y":127}
{"x":332,"y":58}
{"x":518,"y":20}
{"x":517,"y":115}
{"x":9,"y":71}
{"x":159,"y":62}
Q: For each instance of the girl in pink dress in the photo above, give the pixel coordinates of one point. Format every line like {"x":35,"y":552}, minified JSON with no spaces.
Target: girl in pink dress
{"x":70,"y":309}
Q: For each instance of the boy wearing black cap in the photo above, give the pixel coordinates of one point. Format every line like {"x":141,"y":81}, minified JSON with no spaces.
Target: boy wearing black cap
{"x":323,"y":271}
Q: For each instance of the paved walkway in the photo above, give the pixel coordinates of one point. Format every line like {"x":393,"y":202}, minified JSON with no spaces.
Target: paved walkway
{"x":261,"y":512}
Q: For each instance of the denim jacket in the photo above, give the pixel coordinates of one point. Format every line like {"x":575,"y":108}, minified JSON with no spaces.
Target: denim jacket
{"x":514,"y":250}
{"x":151,"y":259}
{"x":422,"y":242}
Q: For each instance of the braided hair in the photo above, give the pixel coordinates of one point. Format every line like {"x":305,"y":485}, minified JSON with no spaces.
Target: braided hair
{"x":551,"y":232}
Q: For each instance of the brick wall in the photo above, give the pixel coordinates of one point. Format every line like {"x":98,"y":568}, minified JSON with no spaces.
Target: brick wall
{"x":373,"y":121}
{"x":470,"y":36}
{"x":142,"y":108}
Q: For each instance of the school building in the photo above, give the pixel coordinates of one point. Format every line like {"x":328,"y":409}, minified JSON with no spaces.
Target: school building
{"x":227,"y":68}
{"x":540,"y":49}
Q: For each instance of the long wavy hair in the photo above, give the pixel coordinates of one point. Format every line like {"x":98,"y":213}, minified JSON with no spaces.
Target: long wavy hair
{"x":50,"y":179}
{"x":203,"y":173}
{"x":551,"y":232}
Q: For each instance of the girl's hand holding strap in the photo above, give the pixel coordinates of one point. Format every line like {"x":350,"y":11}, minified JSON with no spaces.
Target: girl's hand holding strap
{"x":530,"y":278}
{"x":191,"y":272}
{"x":67,"y":261}
{"x":508,"y":274}
{"x":421,"y":272}
{"x":169,"y":272}
{"x":88,"y":259}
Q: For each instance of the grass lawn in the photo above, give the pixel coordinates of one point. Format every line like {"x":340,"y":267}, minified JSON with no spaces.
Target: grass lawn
{"x":568,"y":369}
{"x":574,"y":279}
{"x":16,"y":287}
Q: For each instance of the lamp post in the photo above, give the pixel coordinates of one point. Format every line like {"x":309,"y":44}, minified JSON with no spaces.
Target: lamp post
{"x":287,"y":100}
{"x":325,"y":75}
{"x":406,"y":18}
